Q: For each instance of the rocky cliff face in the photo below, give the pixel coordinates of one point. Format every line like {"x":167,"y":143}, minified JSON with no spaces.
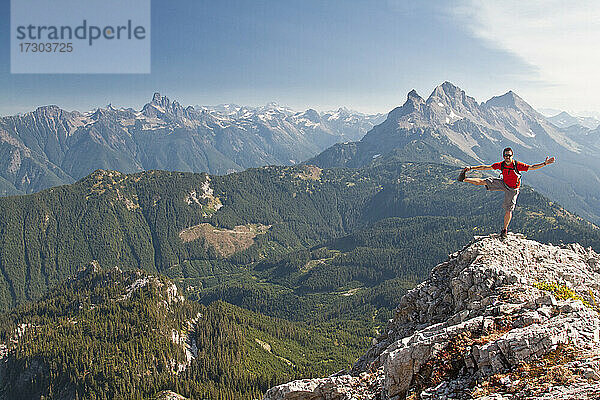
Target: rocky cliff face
{"x":513,"y":319}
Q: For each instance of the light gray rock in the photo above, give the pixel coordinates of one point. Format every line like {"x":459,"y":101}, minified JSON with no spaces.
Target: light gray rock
{"x":169,"y":395}
{"x":480,"y":313}
{"x":344,"y":387}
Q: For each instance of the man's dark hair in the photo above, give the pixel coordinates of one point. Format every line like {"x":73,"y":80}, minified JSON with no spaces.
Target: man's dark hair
{"x":507,"y":149}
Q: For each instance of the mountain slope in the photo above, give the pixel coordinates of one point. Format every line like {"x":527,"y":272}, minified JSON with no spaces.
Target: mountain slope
{"x":50,"y":146}
{"x":498,"y":319}
{"x":214,"y":230}
{"x":452,"y":128}
{"x":107,"y":334}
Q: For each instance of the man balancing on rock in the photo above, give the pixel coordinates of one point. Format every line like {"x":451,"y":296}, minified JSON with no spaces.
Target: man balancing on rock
{"x":509,"y":183}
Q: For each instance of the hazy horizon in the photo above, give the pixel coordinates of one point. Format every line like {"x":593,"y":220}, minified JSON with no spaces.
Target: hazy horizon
{"x":547,"y":112}
{"x":362,"y":55}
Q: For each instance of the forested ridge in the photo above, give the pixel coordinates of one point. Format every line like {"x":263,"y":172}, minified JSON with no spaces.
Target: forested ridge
{"x":324,"y":254}
{"x":134,"y":221}
{"x":108,"y":334}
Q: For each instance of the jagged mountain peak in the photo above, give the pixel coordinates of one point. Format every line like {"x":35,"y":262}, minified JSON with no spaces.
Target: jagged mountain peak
{"x":505,"y":100}
{"x":156,"y":98}
{"x":414,"y":97}
{"x":48,"y":111}
{"x":413,"y":104}
{"x":493,"y":309}
{"x":98,"y":113}
{"x":446,"y":104}
{"x":448,"y":94}
{"x":162,"y":101}
{"x":163,"y":106}
{"x":50,"y":107}
{"x":448,"y":89}
{"x":312,"y":114}
{"x":510,"y":100}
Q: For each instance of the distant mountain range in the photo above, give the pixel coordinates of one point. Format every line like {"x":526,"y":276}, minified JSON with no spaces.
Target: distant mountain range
{"x":451,"y":127}
{"x":566,"y":120}
{"x":51,"y":146}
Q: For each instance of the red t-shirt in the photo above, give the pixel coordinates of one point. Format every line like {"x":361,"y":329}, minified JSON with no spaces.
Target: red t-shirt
{"x":508,"y":174}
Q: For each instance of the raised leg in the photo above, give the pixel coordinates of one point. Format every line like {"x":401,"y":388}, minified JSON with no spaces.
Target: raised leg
{"x":475,"y":181}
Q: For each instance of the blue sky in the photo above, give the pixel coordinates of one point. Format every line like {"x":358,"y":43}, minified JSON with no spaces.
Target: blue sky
{"x":365,"y":55}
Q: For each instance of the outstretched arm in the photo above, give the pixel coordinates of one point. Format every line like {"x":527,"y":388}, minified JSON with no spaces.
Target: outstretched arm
{"x":480,"y":168}
{"x":549,"y":160}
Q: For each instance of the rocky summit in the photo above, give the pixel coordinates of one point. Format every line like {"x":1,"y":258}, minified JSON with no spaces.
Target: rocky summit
{"x":512,"y":319}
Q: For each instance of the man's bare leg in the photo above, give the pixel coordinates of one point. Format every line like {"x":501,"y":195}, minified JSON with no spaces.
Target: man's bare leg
{"x":507,"y":217}
{"x":475,"y":181}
